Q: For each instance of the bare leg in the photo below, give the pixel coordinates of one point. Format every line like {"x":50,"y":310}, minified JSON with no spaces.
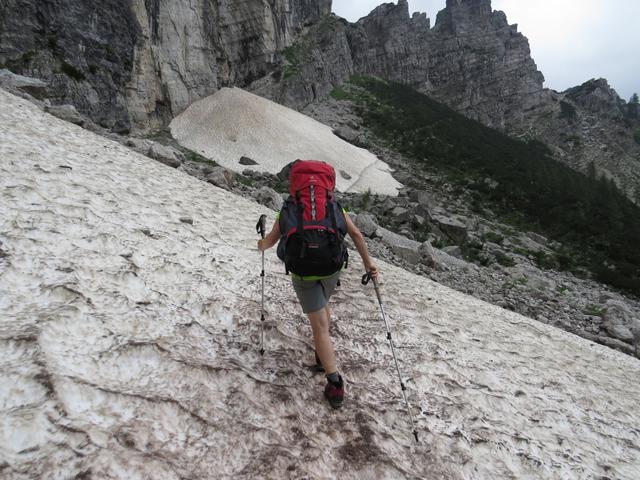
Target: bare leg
{"x":320,"y":326}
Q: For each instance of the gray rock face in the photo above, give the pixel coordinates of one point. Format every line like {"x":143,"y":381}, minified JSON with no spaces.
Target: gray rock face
{"x":137,"y":63}
{"x":472,"y":59}
{"x":84,"y":50}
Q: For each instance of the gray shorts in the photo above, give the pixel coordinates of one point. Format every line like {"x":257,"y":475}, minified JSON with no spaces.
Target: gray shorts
{"x":313,"y":295}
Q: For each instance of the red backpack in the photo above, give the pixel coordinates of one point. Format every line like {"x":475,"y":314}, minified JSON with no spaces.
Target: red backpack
{"x":312,"y":223}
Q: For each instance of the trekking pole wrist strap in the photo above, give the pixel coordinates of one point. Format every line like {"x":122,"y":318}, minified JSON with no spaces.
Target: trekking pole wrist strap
{"x":367,"y":277}
{"x":260,"y":226}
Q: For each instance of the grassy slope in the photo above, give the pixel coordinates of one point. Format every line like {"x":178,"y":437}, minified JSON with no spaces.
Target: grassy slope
{"x":587,"y":214}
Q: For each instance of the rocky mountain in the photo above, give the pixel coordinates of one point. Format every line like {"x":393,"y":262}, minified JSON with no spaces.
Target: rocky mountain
{"x":135,"y":65}
{"x":476,"y":63}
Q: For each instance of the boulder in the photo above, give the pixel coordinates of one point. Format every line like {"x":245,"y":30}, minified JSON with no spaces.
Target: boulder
{"x":345,"y":175}
{"x":269,"y":198}
{"x":367,"y":224}
{"x":428,"y":255}
{"x":167,"y":155}
{"x":31,"y":86}
{"x":453,"y":228}
{"x":408,"y":250}
{"x":68,"y":113}
{"x":537,"y":238}
{"x":454,"y":251}
{"x":635,"y":330}
{"x":422,"y":197}
{"x":221,"y":177}
{"x":351,"y":136}
{"x":619,"y":321}
{"x":247,"y":161}
{"x":417,"y":220}
{"x":400,"y":214}
{"x":140,"y":145}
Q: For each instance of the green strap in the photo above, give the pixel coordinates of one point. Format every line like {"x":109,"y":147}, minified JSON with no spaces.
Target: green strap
{"x":313,"y":278}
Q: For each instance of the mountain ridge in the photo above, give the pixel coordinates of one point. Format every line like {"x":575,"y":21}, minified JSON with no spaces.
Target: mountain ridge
{"x":135,"y":65}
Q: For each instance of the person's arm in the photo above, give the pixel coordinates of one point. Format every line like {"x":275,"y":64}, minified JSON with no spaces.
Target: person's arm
{"x":271,"y":239}
{"x":361,"y":246}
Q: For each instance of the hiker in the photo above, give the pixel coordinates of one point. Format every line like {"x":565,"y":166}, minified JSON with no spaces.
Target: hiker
{"x":310,"y":228}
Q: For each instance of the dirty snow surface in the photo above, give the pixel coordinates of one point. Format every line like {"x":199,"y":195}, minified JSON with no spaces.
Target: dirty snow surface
{"x":234,"y":123}
{"x":129,"y":345}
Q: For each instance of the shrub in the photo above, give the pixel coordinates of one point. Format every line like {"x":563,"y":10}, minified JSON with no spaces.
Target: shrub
{"x":505,"y":260}
{"x":71,"y":71}
{"x":340,"y":93}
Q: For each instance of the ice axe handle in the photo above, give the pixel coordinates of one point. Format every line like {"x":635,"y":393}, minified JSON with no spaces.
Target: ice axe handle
{"x":260,"y":226}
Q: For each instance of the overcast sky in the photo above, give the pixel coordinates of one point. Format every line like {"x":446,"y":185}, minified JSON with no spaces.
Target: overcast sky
{"x":571,"y":40}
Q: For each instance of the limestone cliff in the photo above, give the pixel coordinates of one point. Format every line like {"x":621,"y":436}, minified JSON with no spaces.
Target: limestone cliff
{"x":141,"y":62}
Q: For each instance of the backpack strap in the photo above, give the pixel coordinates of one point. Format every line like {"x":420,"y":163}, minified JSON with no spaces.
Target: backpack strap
{"x":300,"y":231}
{"x":331,"y":206}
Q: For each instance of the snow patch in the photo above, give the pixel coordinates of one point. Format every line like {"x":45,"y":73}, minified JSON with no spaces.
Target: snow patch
{"x":233,"y":123}
{"x":129,"y":345}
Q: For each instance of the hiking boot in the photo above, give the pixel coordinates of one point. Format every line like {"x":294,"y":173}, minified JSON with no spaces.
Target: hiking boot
{"x":318,"y":366}
{"x":334,"y":392}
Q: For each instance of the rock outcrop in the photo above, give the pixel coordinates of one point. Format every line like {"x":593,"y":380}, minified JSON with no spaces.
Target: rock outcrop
{"x":137,"y":63}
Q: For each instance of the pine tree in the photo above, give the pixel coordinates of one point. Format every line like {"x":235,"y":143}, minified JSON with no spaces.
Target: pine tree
{"x":632,"y":106}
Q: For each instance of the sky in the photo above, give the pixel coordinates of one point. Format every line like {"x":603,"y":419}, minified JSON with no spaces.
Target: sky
{"x":571,"y":41}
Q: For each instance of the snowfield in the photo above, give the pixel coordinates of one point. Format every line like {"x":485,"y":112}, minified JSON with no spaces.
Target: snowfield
{"x":129,"y":329}
{"x":233,"y":123}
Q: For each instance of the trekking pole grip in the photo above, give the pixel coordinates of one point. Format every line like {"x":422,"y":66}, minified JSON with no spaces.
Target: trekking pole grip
{"x":367,"y":277}
{"x":260,"y":226}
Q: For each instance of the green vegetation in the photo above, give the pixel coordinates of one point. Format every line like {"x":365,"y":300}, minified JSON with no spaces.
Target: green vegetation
{"x":296,"y":55}
{"x":595,"y":311}
{"x":72,"y":71}
{"x":599,"y":225}
{"x":366,"y":199}
{"x":293,"y":67}
{"x":505,"y":260}
{"x":340,"y":93}
{"x":192,"y":156}
{"x":493,"y":237}
{"x":632,"y":106}
{"x":20,"y":63}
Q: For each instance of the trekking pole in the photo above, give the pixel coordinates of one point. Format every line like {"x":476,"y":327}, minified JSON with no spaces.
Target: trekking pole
{"x":260,"y":229}
{"x":365,"y":280}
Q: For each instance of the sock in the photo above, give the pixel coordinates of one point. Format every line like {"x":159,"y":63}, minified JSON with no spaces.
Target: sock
{"x":334,"y":378}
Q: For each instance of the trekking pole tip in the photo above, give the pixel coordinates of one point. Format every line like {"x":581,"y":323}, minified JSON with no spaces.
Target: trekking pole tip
{"x":262,"y":351}
{"x":415,"y":434}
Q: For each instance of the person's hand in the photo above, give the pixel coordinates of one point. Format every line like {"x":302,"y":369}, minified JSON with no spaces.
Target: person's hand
{"x":371,"y":268}
{"x":261,"y":245}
